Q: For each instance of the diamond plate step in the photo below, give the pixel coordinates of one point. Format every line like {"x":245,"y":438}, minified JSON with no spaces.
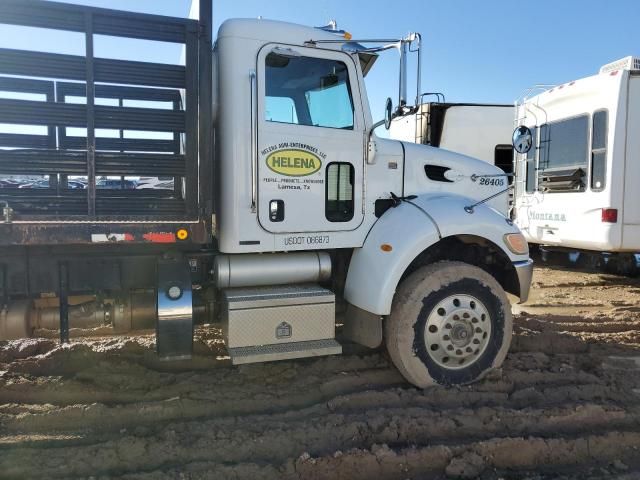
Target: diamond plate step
{"x":284,"y":351}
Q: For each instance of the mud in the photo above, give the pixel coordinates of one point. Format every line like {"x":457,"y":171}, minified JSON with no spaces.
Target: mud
{"x":566,"y":404}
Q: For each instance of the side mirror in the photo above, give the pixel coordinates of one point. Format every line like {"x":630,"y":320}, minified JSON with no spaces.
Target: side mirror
{"x":388,"y":113}
{"x":522,"y":139}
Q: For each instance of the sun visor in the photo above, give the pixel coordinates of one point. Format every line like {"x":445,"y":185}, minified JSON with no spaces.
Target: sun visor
{"x":366,"y":56}
{"x":367,"y":60}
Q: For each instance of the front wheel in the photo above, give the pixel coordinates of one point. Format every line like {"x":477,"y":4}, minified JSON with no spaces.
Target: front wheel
{"x":450,"y":324}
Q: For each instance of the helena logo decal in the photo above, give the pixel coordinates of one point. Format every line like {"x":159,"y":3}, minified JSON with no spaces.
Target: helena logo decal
{"x":294,"y":162}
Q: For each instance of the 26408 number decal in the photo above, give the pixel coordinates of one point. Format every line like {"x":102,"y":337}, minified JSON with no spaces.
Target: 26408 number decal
{"x":497,"y":182}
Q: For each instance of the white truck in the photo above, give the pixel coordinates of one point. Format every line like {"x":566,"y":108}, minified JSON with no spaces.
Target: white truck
{"x":479,"y":130}
{"x":298,"y":210}
{"x":576,"y":187}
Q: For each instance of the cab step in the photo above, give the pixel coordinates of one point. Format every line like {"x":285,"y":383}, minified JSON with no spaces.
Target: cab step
{"x":279,"y":323}
{"x":284,"y":351}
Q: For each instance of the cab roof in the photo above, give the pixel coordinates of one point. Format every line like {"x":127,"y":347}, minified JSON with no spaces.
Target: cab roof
{"x":277,"y":32}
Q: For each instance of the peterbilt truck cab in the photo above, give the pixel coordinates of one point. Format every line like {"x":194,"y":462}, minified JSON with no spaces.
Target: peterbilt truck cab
{"x":310,"y":213}
{"x":314,"y":176}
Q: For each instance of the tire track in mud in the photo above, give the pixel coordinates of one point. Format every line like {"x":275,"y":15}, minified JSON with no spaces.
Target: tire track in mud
{"x":566,"y":402}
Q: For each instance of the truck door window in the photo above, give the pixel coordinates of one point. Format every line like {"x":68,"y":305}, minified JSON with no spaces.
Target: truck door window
{"x":599,"y":150}
{"x":307,"y":91}
{"x":331,"y":106}
{"x":339,"y":203}
{"x":280,"y":109}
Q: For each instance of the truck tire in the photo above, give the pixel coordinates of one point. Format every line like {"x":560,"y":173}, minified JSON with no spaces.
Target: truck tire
{"x":450,"y":324}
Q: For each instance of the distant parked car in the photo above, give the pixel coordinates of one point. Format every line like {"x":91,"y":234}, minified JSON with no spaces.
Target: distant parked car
{"x":156,"y":186}
{"x":116,"y":184}
{"x":4,"y":183}
{"x":74,"y":185}
{"x":36,"y":184}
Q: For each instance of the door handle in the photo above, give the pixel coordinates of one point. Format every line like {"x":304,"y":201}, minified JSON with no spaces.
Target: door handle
{"x":276,"y":210}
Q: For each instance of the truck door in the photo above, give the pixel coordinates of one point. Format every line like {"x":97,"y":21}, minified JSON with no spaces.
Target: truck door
{"x":310,"y":140}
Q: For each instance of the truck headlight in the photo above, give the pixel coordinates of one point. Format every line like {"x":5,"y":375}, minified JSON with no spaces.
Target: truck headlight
{"x":516,"y":243}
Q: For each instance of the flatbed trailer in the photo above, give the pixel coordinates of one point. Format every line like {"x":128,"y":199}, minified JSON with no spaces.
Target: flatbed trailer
{"x":61,"y":215}
{"x":63,"y":242}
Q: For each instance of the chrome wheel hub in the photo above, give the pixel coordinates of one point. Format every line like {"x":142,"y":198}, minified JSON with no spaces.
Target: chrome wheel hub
{"x":457,"y":331}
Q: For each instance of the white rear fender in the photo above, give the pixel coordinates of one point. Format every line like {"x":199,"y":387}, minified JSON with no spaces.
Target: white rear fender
{"x":403,"y":233}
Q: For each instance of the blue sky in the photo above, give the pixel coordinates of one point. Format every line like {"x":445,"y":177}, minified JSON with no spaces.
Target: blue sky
{"x":481,"y":51}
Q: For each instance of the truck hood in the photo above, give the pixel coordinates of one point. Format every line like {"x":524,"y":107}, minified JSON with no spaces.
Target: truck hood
{"x":432,"y":170}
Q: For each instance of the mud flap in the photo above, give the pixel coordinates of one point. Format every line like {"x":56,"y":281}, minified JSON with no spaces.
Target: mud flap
{"x":362,"y":327}
{"x":174,"y":326}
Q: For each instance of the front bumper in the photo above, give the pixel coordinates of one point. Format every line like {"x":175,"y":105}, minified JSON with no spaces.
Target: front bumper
{"x":524,"y":271}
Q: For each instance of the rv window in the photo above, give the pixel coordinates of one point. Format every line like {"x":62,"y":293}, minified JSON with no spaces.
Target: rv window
{"x":339,"y":205}
{"x":599,"y":150}
{"x":531,"y":164}
{"x":307,"y":91}
{"x":564,"y":144}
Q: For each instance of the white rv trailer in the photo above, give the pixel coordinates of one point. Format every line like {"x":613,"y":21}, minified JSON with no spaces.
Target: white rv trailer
{"x":478,"y":130}
{"x":577,"y":187}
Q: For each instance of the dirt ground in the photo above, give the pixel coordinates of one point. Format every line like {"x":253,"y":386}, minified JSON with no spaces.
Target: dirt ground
{"x":565,"y":405}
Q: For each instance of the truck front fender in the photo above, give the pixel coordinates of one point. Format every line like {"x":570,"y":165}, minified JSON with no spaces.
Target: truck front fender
{"x":403,"y":233}
{"x":391,"y":245}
